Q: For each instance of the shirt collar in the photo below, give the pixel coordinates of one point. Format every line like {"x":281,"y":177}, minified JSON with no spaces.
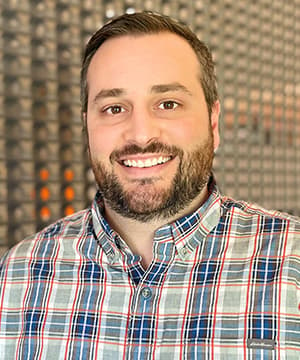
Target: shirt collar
{"x":105,"y":235}
{"x":188,"y":232}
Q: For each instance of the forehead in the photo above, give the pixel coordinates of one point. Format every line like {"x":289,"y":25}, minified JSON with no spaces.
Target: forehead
{"x":146,"y":56}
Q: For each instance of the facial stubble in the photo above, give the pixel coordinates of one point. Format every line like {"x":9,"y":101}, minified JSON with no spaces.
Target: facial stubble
{"x":145,"y":200}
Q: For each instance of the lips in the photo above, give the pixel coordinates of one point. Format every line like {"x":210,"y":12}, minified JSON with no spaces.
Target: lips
{"x":141,"y":161}
{"x":146,"y":163}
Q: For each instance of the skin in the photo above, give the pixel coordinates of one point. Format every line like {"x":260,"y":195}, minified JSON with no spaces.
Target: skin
{"x":146,"y":89}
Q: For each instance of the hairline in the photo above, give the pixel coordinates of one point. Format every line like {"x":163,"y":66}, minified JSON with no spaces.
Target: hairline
{"x":135,"y":33}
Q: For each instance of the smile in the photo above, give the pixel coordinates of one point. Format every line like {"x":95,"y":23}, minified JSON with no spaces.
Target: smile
{"x":147,"y":162}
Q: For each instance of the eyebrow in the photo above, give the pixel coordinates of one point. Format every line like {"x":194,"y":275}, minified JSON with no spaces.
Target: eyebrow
{"x":175,"y":86}
{"x":105,"y":93}
{"x":157,"y":89}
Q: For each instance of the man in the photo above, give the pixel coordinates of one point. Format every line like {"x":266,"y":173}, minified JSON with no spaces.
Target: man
{"x":161,"y":266}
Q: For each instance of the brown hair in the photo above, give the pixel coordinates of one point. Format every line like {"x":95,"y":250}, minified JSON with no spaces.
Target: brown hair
{"x":144,"y":23}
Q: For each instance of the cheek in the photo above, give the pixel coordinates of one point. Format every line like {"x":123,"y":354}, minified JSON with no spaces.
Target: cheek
{"x":189,"y":135}
{"x":97,"y":143}
{"x":102,"y":143}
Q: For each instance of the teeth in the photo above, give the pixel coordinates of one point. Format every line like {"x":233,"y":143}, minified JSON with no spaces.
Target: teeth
{"x":147,"y":162}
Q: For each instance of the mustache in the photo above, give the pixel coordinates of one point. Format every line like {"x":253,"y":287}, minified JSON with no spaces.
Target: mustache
{"x":154,"y":147}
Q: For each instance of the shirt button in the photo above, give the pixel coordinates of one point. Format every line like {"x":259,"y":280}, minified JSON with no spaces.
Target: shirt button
{"x":183,"y":252}
{"x":115,"y":258}
{"x":146,"y":293}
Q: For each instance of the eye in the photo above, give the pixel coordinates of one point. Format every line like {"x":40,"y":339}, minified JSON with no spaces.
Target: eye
{"x":113,"y":110}
{"x":168,"y":105}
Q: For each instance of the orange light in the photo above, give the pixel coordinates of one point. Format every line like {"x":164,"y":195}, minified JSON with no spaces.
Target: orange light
{"x":45,"y":213}
{"x":44,"y":174}
{"x":44,"y":193}
{"x":69,"y":193}
{"x":68,"y":175}
{"x":69,"y":210}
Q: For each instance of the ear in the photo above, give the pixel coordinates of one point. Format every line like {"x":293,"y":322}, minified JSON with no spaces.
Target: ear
{"x":214,"y":119}
{"x":84,"y":124}
{"x":85,"y":130}
{"x":84,"y":119}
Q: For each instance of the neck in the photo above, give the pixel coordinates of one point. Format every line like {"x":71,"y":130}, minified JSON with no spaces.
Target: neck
{"x":139,"y":235}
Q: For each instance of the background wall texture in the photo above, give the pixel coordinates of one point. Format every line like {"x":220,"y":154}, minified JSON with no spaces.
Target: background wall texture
{"x":44,"y":173}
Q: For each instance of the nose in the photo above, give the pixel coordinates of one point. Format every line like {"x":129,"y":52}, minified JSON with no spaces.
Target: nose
{"x":142,"y":127}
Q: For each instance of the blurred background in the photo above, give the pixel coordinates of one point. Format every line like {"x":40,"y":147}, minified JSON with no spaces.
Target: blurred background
{"x":44,"y":173}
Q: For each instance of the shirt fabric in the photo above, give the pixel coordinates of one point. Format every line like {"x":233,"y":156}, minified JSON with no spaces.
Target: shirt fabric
{"x":223,"y":284}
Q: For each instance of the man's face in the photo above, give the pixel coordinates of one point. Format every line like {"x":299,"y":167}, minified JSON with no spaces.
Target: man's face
{"x":151,"y":141}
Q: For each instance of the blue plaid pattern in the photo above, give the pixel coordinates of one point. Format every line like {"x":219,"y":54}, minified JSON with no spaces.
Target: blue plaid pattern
{"x":223,"y":284}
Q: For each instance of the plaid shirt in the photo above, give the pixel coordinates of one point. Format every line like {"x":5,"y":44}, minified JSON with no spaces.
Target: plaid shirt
{"x":223,"y":284}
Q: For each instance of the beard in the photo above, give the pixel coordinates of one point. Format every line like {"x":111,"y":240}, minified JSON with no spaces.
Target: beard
{"x":145,"y":200}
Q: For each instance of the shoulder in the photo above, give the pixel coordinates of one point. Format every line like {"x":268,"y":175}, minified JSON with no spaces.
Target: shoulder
{"x":45,"y":242}
{"x":265,"y":233}
{"x":252,"y":219}
{"x":252,"y":210}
